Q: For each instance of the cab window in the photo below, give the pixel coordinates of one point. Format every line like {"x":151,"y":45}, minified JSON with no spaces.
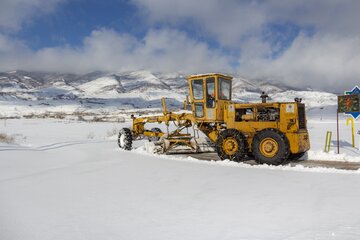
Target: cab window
{"x":210,"y":92}
{"x":199,"y":110}
{"x":224,"y":89}
{"x":198,"y":89}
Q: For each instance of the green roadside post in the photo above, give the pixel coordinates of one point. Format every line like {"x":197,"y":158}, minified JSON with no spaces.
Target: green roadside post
{"x":327,"y":141}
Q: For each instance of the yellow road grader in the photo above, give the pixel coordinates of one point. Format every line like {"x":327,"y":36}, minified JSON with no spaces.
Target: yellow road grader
{"x":269,"y":132}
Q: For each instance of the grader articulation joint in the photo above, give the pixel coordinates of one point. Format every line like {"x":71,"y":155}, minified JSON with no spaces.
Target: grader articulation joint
{"x":271,"y":132}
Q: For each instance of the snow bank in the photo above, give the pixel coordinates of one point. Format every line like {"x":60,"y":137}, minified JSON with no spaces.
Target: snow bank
{"x":148,"y":150}
{"x":332,"y":156}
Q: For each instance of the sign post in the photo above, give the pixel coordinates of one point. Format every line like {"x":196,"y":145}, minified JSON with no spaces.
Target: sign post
{"x":350,"y":105}
{"x":337,"y":131}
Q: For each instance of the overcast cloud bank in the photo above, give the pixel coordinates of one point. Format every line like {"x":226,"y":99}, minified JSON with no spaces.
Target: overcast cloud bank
{"x":313,"y":44}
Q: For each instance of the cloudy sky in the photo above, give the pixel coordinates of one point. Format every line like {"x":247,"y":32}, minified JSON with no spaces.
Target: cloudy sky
{"x":301,"y":43}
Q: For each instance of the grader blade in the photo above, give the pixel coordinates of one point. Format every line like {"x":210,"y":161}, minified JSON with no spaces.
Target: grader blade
{"x":183,"y":145}
{"x":178,"y":144}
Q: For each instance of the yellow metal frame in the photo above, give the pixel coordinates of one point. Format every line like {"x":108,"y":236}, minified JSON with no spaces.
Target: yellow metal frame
{"x":288,"y":123}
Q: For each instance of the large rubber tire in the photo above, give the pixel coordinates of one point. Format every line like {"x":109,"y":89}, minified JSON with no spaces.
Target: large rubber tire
{"x":231,"y":144}
{"x":125,"y":139}
{"x":155,"y":139}
{"x":296,"y":156}
{"x":270,"y":146}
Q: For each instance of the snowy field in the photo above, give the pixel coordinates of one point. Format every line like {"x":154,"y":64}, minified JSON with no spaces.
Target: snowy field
{"x":65,"y":180}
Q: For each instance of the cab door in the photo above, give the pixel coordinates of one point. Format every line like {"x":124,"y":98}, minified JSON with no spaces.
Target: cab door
{"x":210,"y":98}
{"x":197,"y":94}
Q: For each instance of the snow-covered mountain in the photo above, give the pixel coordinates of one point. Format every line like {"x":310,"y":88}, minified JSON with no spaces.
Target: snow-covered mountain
{"x":125,"y":91}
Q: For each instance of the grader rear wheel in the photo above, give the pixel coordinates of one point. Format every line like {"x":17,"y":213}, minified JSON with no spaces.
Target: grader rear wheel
{"x":125,"y":139}
{"x":270,"y":146}
{"x":231,"y":144}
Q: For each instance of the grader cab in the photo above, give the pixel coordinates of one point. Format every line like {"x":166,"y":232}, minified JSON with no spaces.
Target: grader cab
{"x":209,"y":95}
{"x":272,"y":132}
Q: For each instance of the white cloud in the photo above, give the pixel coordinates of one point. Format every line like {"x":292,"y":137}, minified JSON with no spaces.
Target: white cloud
{"x":11,"y":50}
{"x":226,"y":21}
{"x":13,"y":13}
{"x":325,"y":16}
{"x":159,"y":50}
{"x":232,"y":21}
{"x":322,"y":61}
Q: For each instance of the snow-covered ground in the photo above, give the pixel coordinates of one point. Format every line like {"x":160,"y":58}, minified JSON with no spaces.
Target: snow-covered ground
{"x":69,"y":180}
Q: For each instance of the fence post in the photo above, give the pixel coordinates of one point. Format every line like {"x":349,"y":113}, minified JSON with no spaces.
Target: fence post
{"x":351,"y":120}
{"x":327,"y":141}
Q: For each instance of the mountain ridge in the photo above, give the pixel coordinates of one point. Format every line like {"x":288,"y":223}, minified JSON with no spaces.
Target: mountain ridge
{"x":128,"y":81}
{"x":128,"y":90}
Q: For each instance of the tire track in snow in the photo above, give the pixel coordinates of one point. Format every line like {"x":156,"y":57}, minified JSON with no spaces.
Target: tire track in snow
{"x":49,"y":146}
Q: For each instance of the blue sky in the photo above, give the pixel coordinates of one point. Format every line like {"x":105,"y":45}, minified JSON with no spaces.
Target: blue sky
{"x":301,"y":43}
{"x":74,"y":20}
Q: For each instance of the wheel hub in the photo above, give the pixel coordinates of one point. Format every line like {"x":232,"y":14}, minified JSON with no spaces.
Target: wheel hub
{"x":269,"y":147}
{"x":230,"y":146}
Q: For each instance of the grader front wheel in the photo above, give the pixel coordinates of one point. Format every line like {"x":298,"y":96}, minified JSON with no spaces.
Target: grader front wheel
{"x":125,"y":139}
{"x":231,"y":144}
